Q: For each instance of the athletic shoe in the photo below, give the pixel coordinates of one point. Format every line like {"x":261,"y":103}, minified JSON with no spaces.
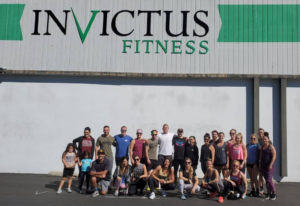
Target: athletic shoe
{"x":251,"y":194}
{"x":141,"y":193}
{"x":59,"y":191}
{"x":213,"y":194}
{"x":69,"y":190}
{"x":157,"y":188}
{"x":261,"y":191}
{"x":189,"y":194}
{"x":152,"y":196}
{"x":267,"y":197}
{"x":95,"y":194}
{"x":148,"y":188}
{"x":273,"y":197}
{"x":220,"y":199}
{"x":121,"y":190}
{"x":116,"y":193}
{"x":244,"y":196}
{"x":163,"y":193}
{"x":80,"y":192}
{"x":204,"y":192}
{"x":182,"y":197}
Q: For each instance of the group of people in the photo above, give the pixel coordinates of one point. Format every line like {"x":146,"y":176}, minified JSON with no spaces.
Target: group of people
{"x":155,"y":162}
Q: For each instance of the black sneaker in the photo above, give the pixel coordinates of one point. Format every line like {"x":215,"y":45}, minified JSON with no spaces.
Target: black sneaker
{"x":273,"y":197}
{"x":251,"y":194}
{"x":267,"y":197}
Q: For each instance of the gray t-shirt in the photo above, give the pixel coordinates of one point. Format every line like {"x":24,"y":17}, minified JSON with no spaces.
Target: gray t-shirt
{"x":152,"y":152}
{"x":105,"y":143}
{"x":70,"y":158}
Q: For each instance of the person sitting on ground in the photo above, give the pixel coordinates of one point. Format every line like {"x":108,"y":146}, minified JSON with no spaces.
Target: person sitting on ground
{"x":100,"y":173}
{"x":122,"y":176}
{"x":188,"y":179}
{"x":138,"y":177}
{"x":236,"y":182}
{"x":163,"y":175}
{"x":212,"y":181}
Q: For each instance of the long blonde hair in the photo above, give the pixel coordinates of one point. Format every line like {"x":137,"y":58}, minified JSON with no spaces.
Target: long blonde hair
{"x":239,"y":134}
{"x":191,"y":170}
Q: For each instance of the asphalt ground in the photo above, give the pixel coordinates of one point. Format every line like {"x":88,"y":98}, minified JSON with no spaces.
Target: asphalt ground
{"x":22,"y":190}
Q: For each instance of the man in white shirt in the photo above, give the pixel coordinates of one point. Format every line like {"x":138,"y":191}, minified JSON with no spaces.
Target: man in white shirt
{"x":165,"y":141}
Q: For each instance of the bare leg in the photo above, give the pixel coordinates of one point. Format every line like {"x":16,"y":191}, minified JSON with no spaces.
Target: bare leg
{"x":62,"y":182}
{"x":69,"y":182}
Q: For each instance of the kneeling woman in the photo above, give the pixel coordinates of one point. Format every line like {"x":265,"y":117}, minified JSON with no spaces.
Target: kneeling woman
{"x":122,"y":176}
{"x":163,"y":175}
{"x":139,"y":176}
{"x":212,"y":181}
{"x":236,"y":182}
{"x":188,"y":179}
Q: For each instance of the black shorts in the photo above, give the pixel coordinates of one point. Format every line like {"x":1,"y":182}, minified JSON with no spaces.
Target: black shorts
{"x":152,"y":165}
{"x":219,"y":165}
{"x":68,"y":172}
{"x":251,"y":165}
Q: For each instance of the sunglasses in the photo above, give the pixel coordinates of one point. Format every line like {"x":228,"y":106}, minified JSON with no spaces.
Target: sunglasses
{"x":187,"y":163}
{"x":137,"y":159}
{"x":206,"y":139}
{"x":235,"y":166}
{"x":139,"y":133}
{"x":123,"y":130}
{"x":252,"y":138}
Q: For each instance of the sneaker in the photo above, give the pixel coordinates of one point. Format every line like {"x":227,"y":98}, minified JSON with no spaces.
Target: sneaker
{"x":267,"y":197}
{"x":163,"y":193}
{"x":69,"y":190}
{"x":182,"y":197}
{"x":220,"y":199}
{"x":189,"y":194}
{"x":157,"y":188}
{"x":148,"y":188}
{"x":80,"y":192}
{"x":244,"y":197}
{"x":116,"y":193}
{"x":261,"y":191}
{"x":251,"y":194}
{"x":273,"y":197}
{"x":141,"y":193}
{"x":152,"y":196}
{"x":59,"y":191}
{"x":204,"y":192}
{"x":213,"y":194}
{"x":95,"y":194}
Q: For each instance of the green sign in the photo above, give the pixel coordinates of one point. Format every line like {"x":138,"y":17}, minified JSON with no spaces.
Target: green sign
{"x":10,"y":17}
{"x":259,"y":23}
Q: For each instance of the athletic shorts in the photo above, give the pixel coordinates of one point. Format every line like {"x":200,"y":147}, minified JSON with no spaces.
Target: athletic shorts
{"x":251,"y":165}
{"x":220,"y":165}
{"x":152,"y":165}
{"x":68,"y":172}
{"x":103,"y":184}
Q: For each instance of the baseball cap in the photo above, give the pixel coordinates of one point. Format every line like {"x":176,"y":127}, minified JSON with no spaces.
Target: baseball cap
{"x":139,"y":131}
{"x":153,"y":132}
{"x":101,"y":151}
{"x":180,"y":130}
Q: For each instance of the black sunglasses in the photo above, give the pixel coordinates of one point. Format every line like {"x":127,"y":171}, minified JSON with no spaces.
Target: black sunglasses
{"x":137,"y":159}
{"x":187,"y":163}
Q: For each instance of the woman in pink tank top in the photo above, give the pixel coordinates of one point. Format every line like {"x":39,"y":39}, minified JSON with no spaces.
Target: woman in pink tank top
{"x":239,"y":151}
{"x":229,"y":144}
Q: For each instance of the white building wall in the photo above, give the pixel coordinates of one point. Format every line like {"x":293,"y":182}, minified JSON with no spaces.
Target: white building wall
{"x":40,"y":116}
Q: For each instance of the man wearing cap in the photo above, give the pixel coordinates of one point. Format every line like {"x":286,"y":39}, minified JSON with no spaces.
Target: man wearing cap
{"x":165,"y":141}
{"x":100,"y":173}
{"x":179,"y":148}
{"x":122,"y":144}
{"x":137,"y":147}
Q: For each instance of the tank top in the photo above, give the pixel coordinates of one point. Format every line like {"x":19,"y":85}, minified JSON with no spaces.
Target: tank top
{"x":161,"y":175}
{"x":205,"y":152}
{"x":138,"y":171}
{"x":220,"y":157}
{"x":237,"y":152}
{"x":213,"y":177}
{"x":230,"y":149}
{"x":70,"y":158}
{"x":252,"y":150}
{"x":235,"y":178}
{"x":266,"y":157}
{"x":138,"y":148}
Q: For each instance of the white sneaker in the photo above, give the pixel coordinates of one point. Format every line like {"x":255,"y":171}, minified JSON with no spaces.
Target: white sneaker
{"x":59,"y":191}
{"x":116,"y":193}
{"x":152,"y":196}
{"x":69,"y":190}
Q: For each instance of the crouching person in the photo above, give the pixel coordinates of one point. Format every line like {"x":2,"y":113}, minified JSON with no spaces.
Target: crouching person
{"x":122,"y":176}
{"x":188,"y":180}
{"x":100,"y":173}
{"x":212,"y":181}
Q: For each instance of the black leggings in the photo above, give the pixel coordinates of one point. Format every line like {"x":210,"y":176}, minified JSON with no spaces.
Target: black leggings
{"x":154,"y":183}
{"x":140,"y":184}
{"x":87,"y":179}
{"x":176,"y":163}
{"x":228,"y":186}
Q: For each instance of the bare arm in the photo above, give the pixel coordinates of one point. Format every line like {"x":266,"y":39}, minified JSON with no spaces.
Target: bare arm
{"x":181,"y":177}
{"x":216,"y":179}
{"x":130,"y":151}
{"x":245,"y":154}
{"x":79,"y":162}
{"x":145,"y":175}
{"x":203,"y":179}
{"x":243,"y":177}
{"x":273,"y":152}
{"x":227,"y":155}
{"x":212,"y":150}
{"x":64,"y":160}
{"x":196,"y":182}
{"x":156,"y":170}
{"x":146,"y":153}
{"x":171,"y":177}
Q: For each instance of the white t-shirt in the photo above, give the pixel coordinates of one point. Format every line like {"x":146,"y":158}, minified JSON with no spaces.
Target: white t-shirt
{"x":165,"y":144}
